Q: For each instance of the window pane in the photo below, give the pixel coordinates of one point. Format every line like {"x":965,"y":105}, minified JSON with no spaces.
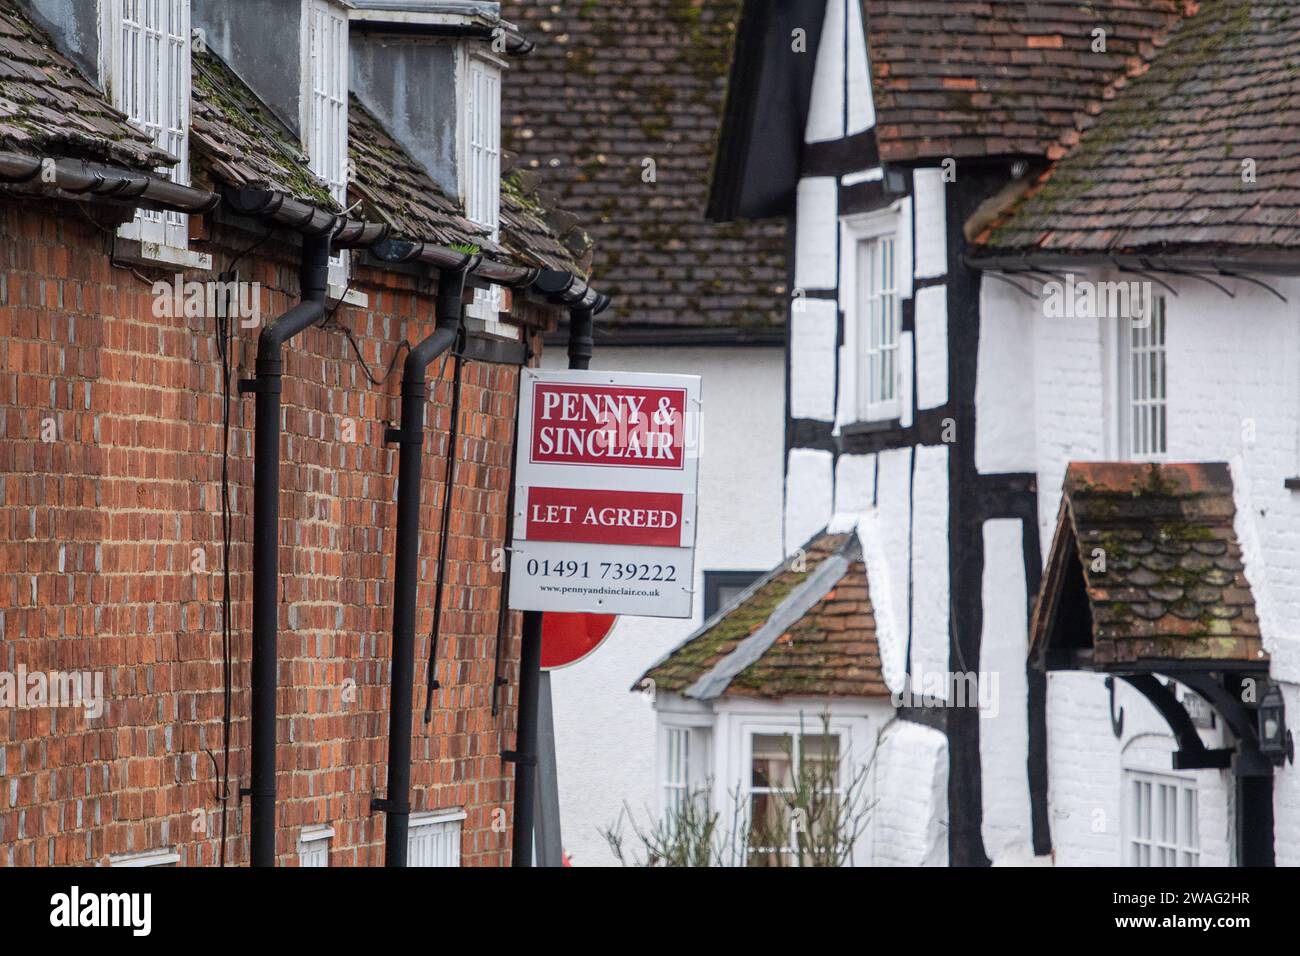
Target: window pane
{"x":771,"y":761}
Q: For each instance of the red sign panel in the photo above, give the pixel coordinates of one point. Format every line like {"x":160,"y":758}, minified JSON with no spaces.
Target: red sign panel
{"x":567,"y":638}
{"x":646,"y":518}
{"x":628,"y":426}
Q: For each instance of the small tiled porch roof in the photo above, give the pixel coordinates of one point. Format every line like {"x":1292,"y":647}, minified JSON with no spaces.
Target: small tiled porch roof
{"x":808,"y":632}
{"x":1145,"y":567}
{"x":240,"y":142}
{"x":47,"y":106}
{"x":1160,"y":168}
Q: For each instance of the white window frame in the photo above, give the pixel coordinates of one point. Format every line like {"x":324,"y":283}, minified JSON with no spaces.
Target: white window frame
{"x":683,"y":771}
{"x":133,"y":80}
{"x":480,"y":164}
{"x":314,"y":846}
{"x":481,"y":151}
{"x":145,"y":858}
{"x":325,"y":108}
{"x":796,"y":736}
{"x":874,"y":313}
{"x":438,"y":824}
{"x":1146,"y":801}
{"x":1141,"y":378}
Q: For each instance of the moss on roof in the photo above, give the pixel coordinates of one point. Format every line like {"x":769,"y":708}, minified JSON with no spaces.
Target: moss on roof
{"x":1160,"y":168}
{"x":829,"y":651}
{"x":242,"y":142}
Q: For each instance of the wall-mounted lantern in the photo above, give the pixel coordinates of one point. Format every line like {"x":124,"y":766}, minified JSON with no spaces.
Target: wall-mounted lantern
{"x":1274,"y":739}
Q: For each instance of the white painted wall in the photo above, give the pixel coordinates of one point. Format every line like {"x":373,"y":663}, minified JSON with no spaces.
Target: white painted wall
{"x":813,"y":327}
{"x":1004,"y":384}
{"x":931,"y":252}
{"x":1004,"y":727}
{"x":932,"y":347}
{"x":1232,"y":373}
{"x":1085,"y":767}
{"x":817,"y":231}
{"x":911,"y":819}
{"x":930,"y":554}
{"x":605,"y":736}
{"x":826,"y":103}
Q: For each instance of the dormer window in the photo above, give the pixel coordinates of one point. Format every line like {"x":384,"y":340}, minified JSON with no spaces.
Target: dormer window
{"x":147,"y":71}
{"x":325,"y":127}
{"x":481,"y":179}
{"x":483,"y":144}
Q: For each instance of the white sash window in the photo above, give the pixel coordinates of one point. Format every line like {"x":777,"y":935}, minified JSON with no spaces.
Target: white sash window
{"x":147,"y":61}
{"x":1161,"y":820}
{"x":880,"y":321}
{"x":433,"y":839}
{"x":482,"y":175}
{"x":326,"y":125}
{"x":1143,"y":390}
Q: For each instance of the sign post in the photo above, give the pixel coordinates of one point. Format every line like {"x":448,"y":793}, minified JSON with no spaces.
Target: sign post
{"x":604,"y":523}
{"x":605,"y":498}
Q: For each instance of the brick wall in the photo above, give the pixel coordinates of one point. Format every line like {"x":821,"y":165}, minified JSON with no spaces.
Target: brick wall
{"x":98,"y":536}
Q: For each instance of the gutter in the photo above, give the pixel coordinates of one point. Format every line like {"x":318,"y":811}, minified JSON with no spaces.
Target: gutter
{"x":1230,"y":262}
{"x":443,"y":257}
{"x":79,"y":179}
{"x":396,"y":804}
{"x":266,"y":526}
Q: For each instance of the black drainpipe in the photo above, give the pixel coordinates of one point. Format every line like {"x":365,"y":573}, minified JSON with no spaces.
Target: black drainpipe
{"x":266,"y":532}
{"x":530,"y":651}
{"x":396,"y":804}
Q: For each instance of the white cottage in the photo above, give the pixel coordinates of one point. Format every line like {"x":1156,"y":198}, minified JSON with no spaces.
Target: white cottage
{"x":787,"y":676}
{"x":943,"y":384}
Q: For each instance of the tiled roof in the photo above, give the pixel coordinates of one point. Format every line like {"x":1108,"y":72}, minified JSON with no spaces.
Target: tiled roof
{"x":828,"y":651}
{"x":241,"y":142}
{"x":47,"y":106}
{"x":1161,"y":564}
{"x":1162,"y":165}
{"x":609,"y":86}
{"x":955,"y":78}
{"x":395,"y":189}
{"x":533,"y":234}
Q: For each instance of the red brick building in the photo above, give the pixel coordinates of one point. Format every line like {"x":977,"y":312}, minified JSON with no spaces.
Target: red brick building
{"x":114,"y":551}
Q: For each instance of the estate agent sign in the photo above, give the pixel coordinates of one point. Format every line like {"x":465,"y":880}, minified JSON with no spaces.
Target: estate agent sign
{"x":607,"y":474}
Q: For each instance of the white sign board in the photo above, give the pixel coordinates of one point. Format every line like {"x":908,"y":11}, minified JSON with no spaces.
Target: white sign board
{"x":606,"y":479}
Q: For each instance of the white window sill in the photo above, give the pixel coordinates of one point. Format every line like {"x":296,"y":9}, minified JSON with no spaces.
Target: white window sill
{"x":136,"y":252}
{"x":148,"y":858}
{"x":353,"y":297}
{"x":430,"y":817}
{"x":869,"y":426}
{"x":497,"y":329}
